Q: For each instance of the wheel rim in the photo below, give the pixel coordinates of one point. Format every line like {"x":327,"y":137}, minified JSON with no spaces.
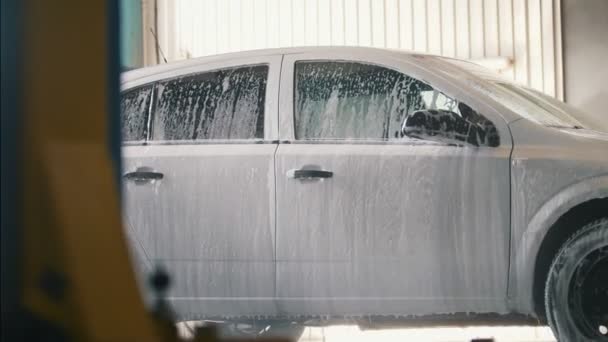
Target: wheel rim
{"x":259,"y":328}
{"x":589,"y":294}
{"x":249,"y":329}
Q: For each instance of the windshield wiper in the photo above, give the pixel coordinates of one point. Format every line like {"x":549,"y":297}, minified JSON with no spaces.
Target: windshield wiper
{"x":570,"y":127}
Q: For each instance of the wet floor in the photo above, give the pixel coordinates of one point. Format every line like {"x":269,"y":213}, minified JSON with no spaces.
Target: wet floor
{"x":451,"y":334}
{"x":352,"y":333}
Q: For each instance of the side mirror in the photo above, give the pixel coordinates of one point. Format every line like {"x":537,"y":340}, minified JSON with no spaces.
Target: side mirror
{"x":449,"y":127}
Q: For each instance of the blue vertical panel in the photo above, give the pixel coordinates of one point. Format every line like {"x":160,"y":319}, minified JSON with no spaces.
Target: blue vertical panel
{"x":10,"y":180}
{"x":115,"y":39}
{"x":131,"y":43}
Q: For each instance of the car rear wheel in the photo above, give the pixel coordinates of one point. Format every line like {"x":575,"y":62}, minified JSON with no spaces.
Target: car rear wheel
{"x":576,"y":291}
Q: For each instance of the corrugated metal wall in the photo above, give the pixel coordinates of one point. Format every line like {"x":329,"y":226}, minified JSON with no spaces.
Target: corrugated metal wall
{"x":528,"y":31}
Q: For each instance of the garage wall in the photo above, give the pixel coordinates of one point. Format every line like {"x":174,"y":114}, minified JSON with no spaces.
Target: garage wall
{"x":525,"y":31}
{"x":585,"y":26}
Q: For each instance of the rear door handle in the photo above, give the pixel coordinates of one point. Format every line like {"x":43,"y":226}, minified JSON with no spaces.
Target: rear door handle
{"x":309,"y":174}
{"x":143,"y":175}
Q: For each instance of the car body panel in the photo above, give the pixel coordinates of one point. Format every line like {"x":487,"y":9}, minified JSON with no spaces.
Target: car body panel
{"x":553,"y":170}
{"x":412,"y":228}
{"x":423,"y":229}
{"x":536,"y":175}
{"x":210,"y":220}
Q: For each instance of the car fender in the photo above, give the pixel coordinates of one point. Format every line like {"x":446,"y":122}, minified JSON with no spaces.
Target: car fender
{"x":523,"y":260}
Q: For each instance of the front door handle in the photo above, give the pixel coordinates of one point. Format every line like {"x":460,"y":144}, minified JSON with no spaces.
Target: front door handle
{"x":309,"y":174}
{"x":143,"y":175}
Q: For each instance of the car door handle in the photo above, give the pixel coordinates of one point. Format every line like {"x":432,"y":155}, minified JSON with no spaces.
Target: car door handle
{"x":140,"y":176}
{"x":309,"y":174}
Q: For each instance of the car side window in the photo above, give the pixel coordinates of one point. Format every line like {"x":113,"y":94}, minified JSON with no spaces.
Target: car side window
{"x":357,"y":101}
{"x":134,"y":109}
{"x":222,"y":104}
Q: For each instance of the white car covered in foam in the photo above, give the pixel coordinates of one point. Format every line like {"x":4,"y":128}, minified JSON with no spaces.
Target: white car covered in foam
{"x":313,"y":184}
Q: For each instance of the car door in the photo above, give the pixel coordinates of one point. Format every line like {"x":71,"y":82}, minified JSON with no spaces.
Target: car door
{"x":200,"y":197}
{"x":135,"y":110}
{"x":373,"y":222}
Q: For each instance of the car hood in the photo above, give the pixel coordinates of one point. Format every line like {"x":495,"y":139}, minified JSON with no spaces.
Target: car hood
{"x":578,"y":143}
{"x":586,"y":134}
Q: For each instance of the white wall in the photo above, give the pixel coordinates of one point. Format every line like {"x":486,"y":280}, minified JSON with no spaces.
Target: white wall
{"x":524,"y":30}
{"x":585,"y":51}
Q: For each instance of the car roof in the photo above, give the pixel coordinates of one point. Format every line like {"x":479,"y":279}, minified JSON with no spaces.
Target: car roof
{"x":421,"y":59}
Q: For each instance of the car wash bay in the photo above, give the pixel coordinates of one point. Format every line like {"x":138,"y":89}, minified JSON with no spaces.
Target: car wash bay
{"x":533,"y":42}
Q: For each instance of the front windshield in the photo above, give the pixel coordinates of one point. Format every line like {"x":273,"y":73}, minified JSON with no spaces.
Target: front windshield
{"x":534,"y":106}
{"x":526,"y":102}
{"x":582,"y":117}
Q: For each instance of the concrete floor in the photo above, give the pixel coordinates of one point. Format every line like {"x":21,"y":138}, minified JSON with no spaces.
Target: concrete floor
{"x":452,"y":334}
{"x":352,"y":333}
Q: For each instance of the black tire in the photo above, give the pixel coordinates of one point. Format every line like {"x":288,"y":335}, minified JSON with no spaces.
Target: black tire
{"x":576,"y":291}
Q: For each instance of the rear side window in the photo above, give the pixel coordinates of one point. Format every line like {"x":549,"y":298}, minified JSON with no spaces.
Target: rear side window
{"x":223,"y":104}
{"x":347,"y":100}
{"x":134,"y":107}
